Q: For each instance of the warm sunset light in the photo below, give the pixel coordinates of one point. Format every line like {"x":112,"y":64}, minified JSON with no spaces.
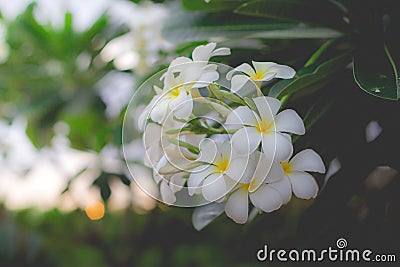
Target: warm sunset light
{"x":95,"y":210}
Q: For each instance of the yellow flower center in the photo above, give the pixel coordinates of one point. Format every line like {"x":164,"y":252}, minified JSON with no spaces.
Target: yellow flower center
{"x":174,"y":92}
{"x":245,"y":186}
{"x":222,"y":165}
{"x":264,"y":127}
{"x":287,"y":167}
{"x":258,"y":75}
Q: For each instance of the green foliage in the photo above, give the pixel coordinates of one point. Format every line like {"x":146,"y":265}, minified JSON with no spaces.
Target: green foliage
{"x":217,"y":5}
{"x":376,"y":72}
{"x":311,"y":78}
{"x":333,"y":56}
{"x":199,"y":26}
{"x":371,"y":29}
{"x":51,"y":75}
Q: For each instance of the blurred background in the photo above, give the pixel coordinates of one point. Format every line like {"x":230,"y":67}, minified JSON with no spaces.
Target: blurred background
{"x":67,"y":72}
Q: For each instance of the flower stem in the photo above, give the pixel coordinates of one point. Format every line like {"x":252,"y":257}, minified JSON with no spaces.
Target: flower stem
{"x":178,"y":131}
{"x":190,"y":147}
{"x":319,"y":52}
{"x":284,"y":100}
{"x":258,"y":88}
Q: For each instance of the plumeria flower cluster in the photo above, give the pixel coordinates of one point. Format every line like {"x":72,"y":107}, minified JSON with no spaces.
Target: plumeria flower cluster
{"x":240,"y":151}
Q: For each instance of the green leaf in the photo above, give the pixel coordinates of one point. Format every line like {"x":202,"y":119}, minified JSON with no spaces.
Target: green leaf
{"x":314,"y":114}
{"x":102,"y":182}
{"x":180,"y":143}
{"x":200,"y":26}
{"x":220,"y":94}
{"x":68,"y":22}
{"x":250,"y":103}
{"x":376,"y":72}
{"x":315,"y":12}
{"x":214,"y":5}
{"x":297,"y":32}
{"x":310,"y":78}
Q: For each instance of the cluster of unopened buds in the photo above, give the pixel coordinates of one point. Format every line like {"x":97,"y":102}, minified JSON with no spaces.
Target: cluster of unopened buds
{"x":211,"y":135}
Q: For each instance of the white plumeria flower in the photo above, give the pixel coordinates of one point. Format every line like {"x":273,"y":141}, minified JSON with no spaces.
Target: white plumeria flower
{"x":266,"y":127}
{"x":193,"y":73}
{"x":169,"y":185}
{"x":172,"y":167}
{"x":262,"y":185}
{"x":155,"y":140}
{"x":175,"y":97}
{"x":295,"y":170}
{"x":158,"y":145}
{"x":263,"y":71}
{"x":222,"y":168}
{"x":145,"y":115}
{"x":152,"y":142}
{"x":200,"y":57}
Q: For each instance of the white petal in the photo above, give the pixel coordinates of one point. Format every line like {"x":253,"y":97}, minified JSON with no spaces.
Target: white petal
{"x":146,"y":112}
{"x":289,"y":121}
{"x":203,"y":52}
{"x":275,"y":173}
{"x":157,"y":177}
{"x":190,"y":74}
{"x":237,"y":168}
{"x":153,"y":155}
{"x":238,"y":81}
{"x":284,"y":188}
{"x":289,"y":138}
{"x":277,"y":145}
{"x":224,"y":149}
{"x":267,"y":77}
{"x":209,"y":67}
{"x":230,"y":74}
{"x":237,"y":206}
{"x":242,"y":115}
{"x":176,"y":183}
{"x":283,"y":72}
{"x":208,"y":150}
{"x":167,"y":195}
{"x":163,"y":161}
{"x":159,"y":111}
{"x":157,"y":90}
{"x":175,"y":102}
{"x":266,"y":172}
{"x":245,"y":68}
{"x":170,"y":81}
{"x":152,"y":134}
{"x":303,"y":184}
{"x":197,"y":176}
{"x":214,"y":187}
{"x":206,"y":78}
{"x":308,"y":160}
{"x":266,"y":198}
{"x":222,"y":51}
{"x":267,"y":107}
{"x":178,"y":64}
{"x":263,"y":67}
{"x":246,"y":140}
{"x":184,"y":110}
{"x":263,"y":166}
